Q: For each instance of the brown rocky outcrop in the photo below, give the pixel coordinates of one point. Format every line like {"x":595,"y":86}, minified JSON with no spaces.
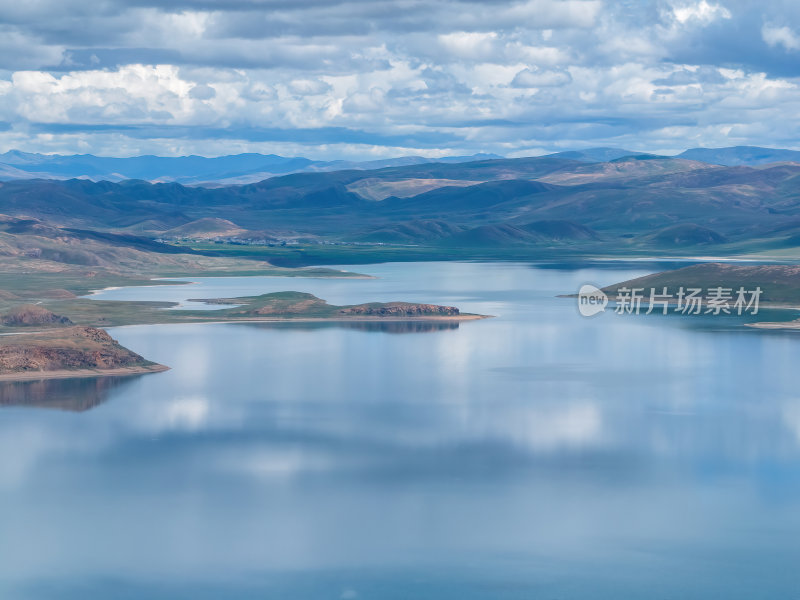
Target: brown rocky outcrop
{"x":400,"y":309}
{"x":31,"y":314}
{"x":72,"y":348}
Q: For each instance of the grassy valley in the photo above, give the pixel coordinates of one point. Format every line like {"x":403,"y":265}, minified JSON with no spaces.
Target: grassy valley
{"x":513,"y":208}
{"x":60,"y":239}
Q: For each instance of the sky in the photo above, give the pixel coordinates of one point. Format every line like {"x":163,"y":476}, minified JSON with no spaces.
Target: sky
{"x":365,"y":79}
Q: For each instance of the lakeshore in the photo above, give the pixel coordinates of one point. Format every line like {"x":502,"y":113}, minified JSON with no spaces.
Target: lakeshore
{"x":37,"y":343}
{"x":315,"y":431}
{"x":82,"y":373}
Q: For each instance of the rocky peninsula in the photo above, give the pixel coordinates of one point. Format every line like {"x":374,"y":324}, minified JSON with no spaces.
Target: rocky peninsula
{"x":36,"y":343}
{"x":74,"y":351}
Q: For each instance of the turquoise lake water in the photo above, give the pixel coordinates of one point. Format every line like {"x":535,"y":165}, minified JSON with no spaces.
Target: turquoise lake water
{"x":537,"y":454}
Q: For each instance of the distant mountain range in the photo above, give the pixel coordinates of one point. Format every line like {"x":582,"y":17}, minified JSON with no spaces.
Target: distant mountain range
{"x":250,"y":168}
{"x":741,"y":155}
{"x":728,"y":157}
{"x":594,"y":154}
{"x":640,"y":203}
{"x":594,"y":202}
{"x":188,"y":170}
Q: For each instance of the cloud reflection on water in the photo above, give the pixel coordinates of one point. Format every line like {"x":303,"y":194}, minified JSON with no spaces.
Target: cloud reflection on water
{"x":536,"y":438}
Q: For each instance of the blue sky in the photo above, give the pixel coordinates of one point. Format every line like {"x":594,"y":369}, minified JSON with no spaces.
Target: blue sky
{"x":370,"y":79}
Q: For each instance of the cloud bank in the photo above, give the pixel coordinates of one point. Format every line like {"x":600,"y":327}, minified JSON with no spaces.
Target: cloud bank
{"x":365,"y":78}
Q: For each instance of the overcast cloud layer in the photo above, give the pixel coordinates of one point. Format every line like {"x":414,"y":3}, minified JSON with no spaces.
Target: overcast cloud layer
{"x":366,"y":78}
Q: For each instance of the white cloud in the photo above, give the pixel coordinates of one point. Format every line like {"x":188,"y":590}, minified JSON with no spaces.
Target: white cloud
{"x":133,"y":94}
{"x":474,"y":46}
{"x":309,"y":87}
{"x":548,"y":14}
{"x":780,"y":36}
{"x":418,"y":77}
{"x":701,"y":12}
{"x":539,"y":55}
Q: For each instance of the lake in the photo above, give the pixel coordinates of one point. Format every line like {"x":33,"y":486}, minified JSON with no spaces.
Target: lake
{"x":537,"y":454}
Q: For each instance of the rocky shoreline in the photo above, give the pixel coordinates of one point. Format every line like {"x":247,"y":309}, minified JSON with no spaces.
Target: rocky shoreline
{"x":72,"y":351}
{"x":38,"y":344}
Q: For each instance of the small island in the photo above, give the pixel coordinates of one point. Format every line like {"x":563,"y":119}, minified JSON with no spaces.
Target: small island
{"x":779,"y":284}
{"x":68,"y":352}
{"x":302,"y":306}
{"x":50,"y":326}
{"x":36,"y":343}
{"x":778,"y":287}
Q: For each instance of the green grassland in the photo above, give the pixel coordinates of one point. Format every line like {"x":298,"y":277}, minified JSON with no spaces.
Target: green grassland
{"x":279,"y":305}
{"x":779,"y":284}
{"x":514,"y":208}
{"x":61,"y":239}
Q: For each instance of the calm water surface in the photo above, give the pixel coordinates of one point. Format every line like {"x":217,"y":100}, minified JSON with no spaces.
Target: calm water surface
{"x":538,"y":454}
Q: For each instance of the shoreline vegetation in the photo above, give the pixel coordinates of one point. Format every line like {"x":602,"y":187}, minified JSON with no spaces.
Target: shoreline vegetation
{"x":51,"y":328}
{"x":61,"y":240}
{"x":36,"y":327}
{"x":779,"y":287}
{"x":42,"y":293}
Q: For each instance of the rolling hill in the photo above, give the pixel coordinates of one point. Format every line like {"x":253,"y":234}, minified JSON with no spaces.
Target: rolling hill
{"x":189,"y":170}
{"x":641,"y":202}
{"x":741,"y":155}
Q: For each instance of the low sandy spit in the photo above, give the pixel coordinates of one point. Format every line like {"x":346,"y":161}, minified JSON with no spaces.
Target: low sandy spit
{"x":788,"y":325}
{"x":76,"y":373}
{"x":371,"y":319}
